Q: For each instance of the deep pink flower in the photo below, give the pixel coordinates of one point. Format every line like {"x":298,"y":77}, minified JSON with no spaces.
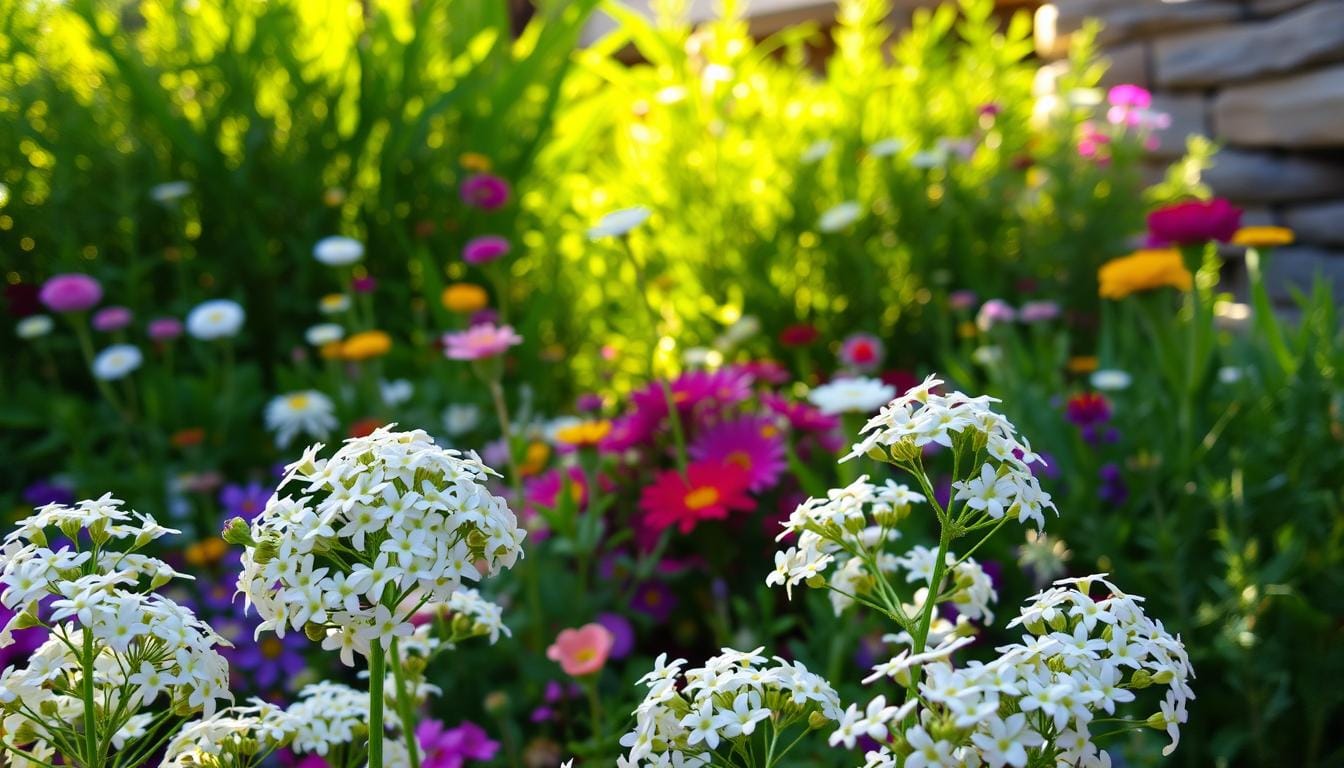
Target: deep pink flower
{"x":365,"y":284}
{"x":485,"y":191}
{"x":164,"y":328}
{"x":71,"y":293}
{"x":1129,"y":95}
{"x":110,"y":319}
{"x":802,"y":416}
{"x":480,"y":341}
{"x":581,"y":651}
{"x":799,"y":335}
{"x":485,"y":249}
{"x":452,"y":748}
{"x":1193,"y":222}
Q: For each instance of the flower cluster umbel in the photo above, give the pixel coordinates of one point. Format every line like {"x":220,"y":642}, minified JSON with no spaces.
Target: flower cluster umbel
{"x":114,"y":647}
{"x":387,"y":525}
{"x":736,"y":703}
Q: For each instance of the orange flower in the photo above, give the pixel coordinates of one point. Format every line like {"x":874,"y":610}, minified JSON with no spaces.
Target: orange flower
{"x":186,"y":438}
{"x":1079,"y":364}
{"x":475,"y":161}
{"x":364,"y":427}
{"x":366,"y":345}
{"x":206,"y":551}
{"x":464,"y":298}
{"x":1263,"y":237}
{"x":1143,"y":271}
{"x":535,"y":456}
{"x":585,"y":434}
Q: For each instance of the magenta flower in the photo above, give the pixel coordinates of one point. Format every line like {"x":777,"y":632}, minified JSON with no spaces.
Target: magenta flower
{"x":110,"y":319}
{"x":453,"y":747}
{"x":485,"y":191}
{"x":164,"y":328}
{"x":993,"y":312}
{"x":753,"y":443}
{"x":1129,"y":95}
{"x":1193,"y":222}
{"x":71,"y":293}
{"x":480,"y":341}
{"x":485,"y":249}
{"x":365,"y":284}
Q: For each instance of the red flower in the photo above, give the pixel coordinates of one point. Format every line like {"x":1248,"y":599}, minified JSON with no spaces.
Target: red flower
{"x":709,"y":491}
{"x":364,"y":427}
{"x":799,"y":335}
{"x":1193,"y":222}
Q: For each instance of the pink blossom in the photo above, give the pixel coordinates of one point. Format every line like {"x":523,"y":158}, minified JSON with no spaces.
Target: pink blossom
{"x":480,"y":341}
{"x":1194,"y":221}
{"x":862,"y":352}
{"x":581,"y":651}
{"x":110,"y":319}
{"x":164,"y":328}
{"x":71,"y":293}
{"x":485,"y":191}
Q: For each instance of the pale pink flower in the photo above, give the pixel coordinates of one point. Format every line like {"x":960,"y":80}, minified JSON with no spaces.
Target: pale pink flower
{"x":581,"y":651}
{"x":480,"y":341}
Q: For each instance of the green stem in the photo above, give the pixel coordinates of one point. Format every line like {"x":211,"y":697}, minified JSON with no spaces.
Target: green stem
{"x":672,"y":415}
{"x":405,"y":707}
{"x":595,"y":710}
{"x":90,"y":714}
{"x":502,"y":413}
{"x":921,"y":636}
{"x":377,"y":673}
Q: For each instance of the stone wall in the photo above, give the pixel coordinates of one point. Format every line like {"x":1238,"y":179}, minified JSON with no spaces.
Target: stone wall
{"x":1264,"y":79}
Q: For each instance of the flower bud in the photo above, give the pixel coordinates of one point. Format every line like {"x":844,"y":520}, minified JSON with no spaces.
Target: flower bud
{"x":266,"y":550}
{"x":236,"y":532}
{"x":1056,"y":664}
{"x":905,"y":450}
{"x":1163,"y":677}
{"x":415,"y":665}
{"x":878,"y":453}
{"x":314,"y":632}
{"x":1036,"y":627}
{"x":38,"y":537}
{"x":98,"y":532}
{"x":27,"y":619}
{"x":817,"y":720}
{"x":855,"y":523}
{"x":816,"y":581}
{"x":1157,"y":720}
{"x":1059,"y":622}
{"x":1141,"y":679}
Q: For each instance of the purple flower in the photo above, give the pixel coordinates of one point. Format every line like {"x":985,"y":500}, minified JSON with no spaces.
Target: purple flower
{"x":245,"y":501}
{"x":655,"y":600}
{"x":589,"y":402}
{"x":485,"y":191}
{"x":1113,"y":489}
{"x":962,"y":300}
{"x":485,"y":249}
{"x":1038,"y":311}
{"x":110,"y":319}
{"x":71,"y":293}
{"x":622,"y":633}
{"x":164,"y":328}
{"x":44,"y":492}
{"x":270,"y":662}
{"x":487,"y":316}
{"x":452,"y":748}
{"x":365,"y":284}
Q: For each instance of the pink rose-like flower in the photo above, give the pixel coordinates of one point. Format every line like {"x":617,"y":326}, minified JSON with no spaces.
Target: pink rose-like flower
{"x":71,"y":293}
{"x":480,"y":341}
{"x":485,"y":191}
{"x":1193,"y":222}
{"x":110,"y":319}
{"x":164,"y":328}
{"x":485,"y":249}
{"x":581,"y":651}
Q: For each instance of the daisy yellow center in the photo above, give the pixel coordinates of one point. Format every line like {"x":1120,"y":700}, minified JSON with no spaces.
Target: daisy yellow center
{"x":297,"y":402}
{"x":769,"y":430}
{"x":740,"y":458}
{"x":700,"y":498}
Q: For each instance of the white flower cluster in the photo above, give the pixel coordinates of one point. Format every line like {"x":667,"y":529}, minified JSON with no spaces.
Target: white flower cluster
{"x":1003,"y":485}
{"x":140,"y":646}
{"x":388,"y":524}
{"x":237,"y":737}
{"x":721,"y":704}
{"x":333,"y":718}
{"x":849,"y":530}
{"x":469,"y":614}
{"x":1035,"y":702}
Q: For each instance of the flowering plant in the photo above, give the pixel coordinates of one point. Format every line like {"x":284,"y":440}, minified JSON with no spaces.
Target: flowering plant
{"x":389,"y":524}
{"x":114,"y":647}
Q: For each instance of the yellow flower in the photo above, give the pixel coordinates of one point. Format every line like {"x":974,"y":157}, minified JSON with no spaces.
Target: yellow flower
{"x":1082,"y":364}
{"x":534,"y":458}
{"x":1143,"y":271}
{"x":966,"y":330}
{"x":1263,"y":237}
{"x":363,"y":346}
{"x":333,"y":303}
{"x":464,"y":298}
{"x":584,"y":434}
{"x":206,"y":551}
